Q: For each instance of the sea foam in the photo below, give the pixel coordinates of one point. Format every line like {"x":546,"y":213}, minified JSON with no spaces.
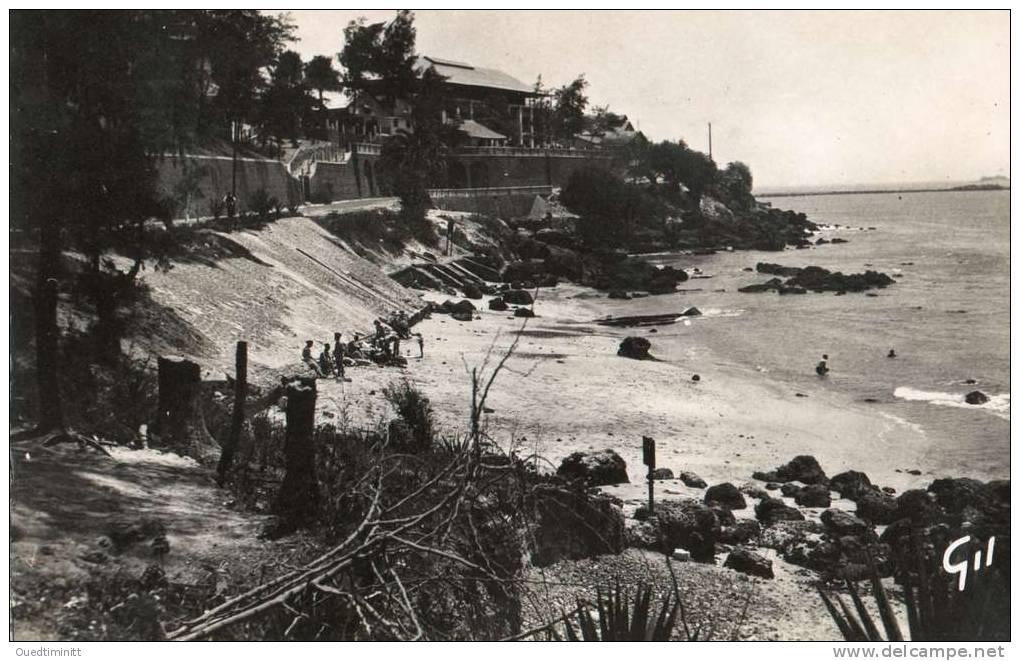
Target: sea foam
{"x":997,"y":405}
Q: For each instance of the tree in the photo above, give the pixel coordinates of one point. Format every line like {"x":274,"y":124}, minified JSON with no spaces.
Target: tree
{"x":568,"y":110}
{"x":380,"y":58}
{"x":608,"y":206}
{"x":602,"y":120}
{"x":286,"y":103}
{"x":678,"y":165}
{"x":321,"y":76}
{"x":412,"y":161}
{"x":735,"y":184}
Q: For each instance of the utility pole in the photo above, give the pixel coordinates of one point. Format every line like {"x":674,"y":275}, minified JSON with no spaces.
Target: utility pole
{"x":233,"y":159}
{"x":710,"y":139}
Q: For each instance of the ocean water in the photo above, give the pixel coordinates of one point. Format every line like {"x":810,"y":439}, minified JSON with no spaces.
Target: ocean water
{"x":947,"y":317}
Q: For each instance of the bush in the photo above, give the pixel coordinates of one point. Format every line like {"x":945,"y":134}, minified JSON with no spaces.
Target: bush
{"x":415,"y":411}
{"x":261,"y":203}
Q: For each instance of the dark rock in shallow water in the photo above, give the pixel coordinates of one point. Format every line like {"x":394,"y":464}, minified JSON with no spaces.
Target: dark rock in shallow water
{"x":813,"y":495}
{"x":851,"y":484}
{"x":617,"y":293}
{"x":463,"y":316}
{"x":877,"y":507}
{"x":956,"y":494}
{"x":753,"y":491}
{"x":518,"y":297}
{"x":498,"y":304}
{"x":662,"y":474}
{"x":976,"y":397}
{"x":472,"y":290}
{"x":772,"y":486}
{"x":773,"y":510}
{"x":748,"y":562}
{"x":727,"y":495}
{"x":595,"y":468}
{"x":635,"y":347}
{"x":691,"y":312}
{"x":692,"y":480}
{"x":777,"y":269}
{"x":523,"y":312}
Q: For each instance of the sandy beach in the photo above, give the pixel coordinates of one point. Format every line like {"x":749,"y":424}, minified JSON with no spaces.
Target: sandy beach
{"x":566,"y":390}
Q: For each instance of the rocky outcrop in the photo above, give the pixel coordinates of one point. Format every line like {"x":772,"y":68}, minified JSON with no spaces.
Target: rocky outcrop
{"x":841,"y":523}
{"x":688,"y":525}
{"x":851,"y":484}
{"x":742,"y":531}
{"x":595,"y":468}
{"x":498,"y":304}
{"x":518,"y":297}
{"x":635,"y":348}
{"x":726,"y":495}
{"x":662,"y":474}
{"x":813,"y":495}
{"x":772,"y":510}
{"x":749,"y":562}
{"x":877,"y":507}
{"x":803,"y":468}
{"x":815,"y":278}
{"x":572,"y":524}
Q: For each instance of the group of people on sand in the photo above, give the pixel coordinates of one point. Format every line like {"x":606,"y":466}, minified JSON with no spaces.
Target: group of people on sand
{"x":382,"y":347}
{"x":822,"y":368}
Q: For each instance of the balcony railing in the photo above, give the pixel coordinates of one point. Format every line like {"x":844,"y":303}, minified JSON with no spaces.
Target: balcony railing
{"x":533,"y":151}
{"x":501,"y":190}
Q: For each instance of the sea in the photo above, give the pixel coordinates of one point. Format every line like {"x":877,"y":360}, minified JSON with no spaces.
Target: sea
{"x":946,"y":317}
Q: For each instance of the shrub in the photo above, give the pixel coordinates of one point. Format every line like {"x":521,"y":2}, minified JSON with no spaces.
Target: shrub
{"x":261,"y":203}
{"x":415,"y":411}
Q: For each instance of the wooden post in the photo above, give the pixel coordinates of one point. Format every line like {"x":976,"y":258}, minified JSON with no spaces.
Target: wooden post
{"x":648,"y":452}
{"x":179,"y":419}
{"x":237,"y":422}
{"x":299,"y":493}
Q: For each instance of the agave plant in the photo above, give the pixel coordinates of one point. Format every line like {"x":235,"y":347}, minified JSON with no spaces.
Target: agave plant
{"x":936,"y":609}
{"x":622,"y":616}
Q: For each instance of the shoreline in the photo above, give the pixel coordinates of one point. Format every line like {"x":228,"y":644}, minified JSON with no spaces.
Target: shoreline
{"x":566,"y":390}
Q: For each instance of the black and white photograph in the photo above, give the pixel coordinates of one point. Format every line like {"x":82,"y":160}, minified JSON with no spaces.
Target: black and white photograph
{"x":509,"y":325}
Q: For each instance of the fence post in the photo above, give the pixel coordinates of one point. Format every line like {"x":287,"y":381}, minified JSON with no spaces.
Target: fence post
{"x":237,"y":422}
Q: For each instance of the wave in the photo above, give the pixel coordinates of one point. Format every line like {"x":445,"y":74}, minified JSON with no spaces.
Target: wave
{"x":997,"y":405}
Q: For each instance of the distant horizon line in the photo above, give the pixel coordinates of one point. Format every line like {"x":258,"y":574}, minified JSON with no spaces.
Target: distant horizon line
{"x":876,"y":186}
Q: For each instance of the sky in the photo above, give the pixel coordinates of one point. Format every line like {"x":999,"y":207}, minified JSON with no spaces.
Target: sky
{"x":804,"y":98}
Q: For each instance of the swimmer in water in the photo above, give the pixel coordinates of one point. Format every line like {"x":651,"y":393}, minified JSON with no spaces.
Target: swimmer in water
{"x":822,"y":368}
{"x":891,"y":354}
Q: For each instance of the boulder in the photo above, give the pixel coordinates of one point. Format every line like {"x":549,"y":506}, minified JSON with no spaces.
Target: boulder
{"x":784,"y":535}
{"x":635,"y":347}
{"x":594,"y":468}
{"x":473,"y":291}
{"x":749,"y":562}
{"x":841,"y":523}
{"x":917,"y":505}
{"x":689,"y":525}
{"x":662,"y":474}
{"x":691,"y":312}
{"x":877,"y":507}
{"x":726,"y":495}
{"x":954,"y":494}
{"x":802,"y":468}
{"x":572,"y":524}
{"x":498,"y":304}
{"x":790,"y":490}
{"x":524,"y":312}
{"x":976,"y":397}
{"x":619,"y":294}
{"x":463,"y":316}
{"x":462,"y":306}
{"x":740,"y":532}
{"x":851,"y":484}
{"x":772,"y":510}
{"x":692,"y":480}
{"x":813,"y":495}
{"x":723,"y":514}
{"x":518,"y":297}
